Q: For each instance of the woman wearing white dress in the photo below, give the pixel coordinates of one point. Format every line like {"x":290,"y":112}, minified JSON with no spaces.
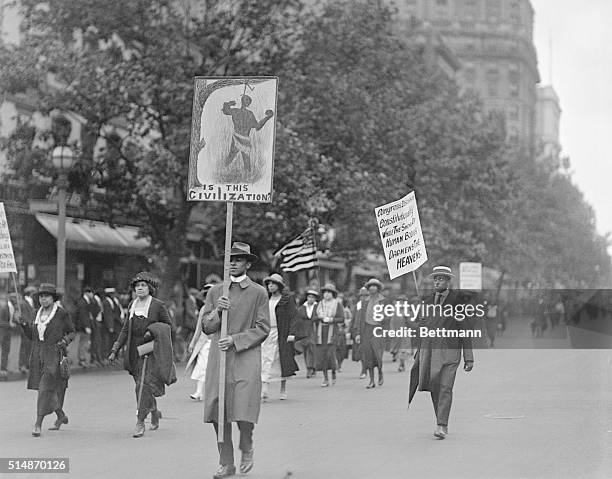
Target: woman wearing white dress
{"x":198,"y":350}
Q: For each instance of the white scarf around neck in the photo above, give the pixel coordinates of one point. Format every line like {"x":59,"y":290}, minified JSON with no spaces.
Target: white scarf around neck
{"x":147,"y":306}
{"x":41,"y":325}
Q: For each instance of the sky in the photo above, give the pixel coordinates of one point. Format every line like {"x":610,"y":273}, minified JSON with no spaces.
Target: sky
{"x":582,"y":77}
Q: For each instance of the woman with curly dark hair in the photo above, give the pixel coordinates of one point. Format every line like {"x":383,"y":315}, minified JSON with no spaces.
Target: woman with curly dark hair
{"x":148,"y":320}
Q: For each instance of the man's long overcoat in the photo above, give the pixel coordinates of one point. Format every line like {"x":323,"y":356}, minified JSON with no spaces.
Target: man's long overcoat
{"x":248,"y":322}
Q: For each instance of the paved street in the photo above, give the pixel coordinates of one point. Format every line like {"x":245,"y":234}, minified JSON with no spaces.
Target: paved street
{"x":520,"y":413}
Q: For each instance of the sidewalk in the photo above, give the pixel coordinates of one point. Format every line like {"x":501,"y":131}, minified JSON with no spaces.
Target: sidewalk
{"x":13,"y":361}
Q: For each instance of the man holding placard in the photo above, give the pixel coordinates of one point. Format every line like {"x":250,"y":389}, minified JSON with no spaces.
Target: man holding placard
{"x":248,"y":325}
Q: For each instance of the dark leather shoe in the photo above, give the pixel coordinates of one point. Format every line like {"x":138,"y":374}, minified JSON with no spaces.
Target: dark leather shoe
{"x":246,"y":463}
{"x":139,"y":430}
{"x":36,"y":431}
{"x":371,"y":385}
{"x":441,"y":432}
{"x":381,"y":379}
{"x":225,"y":471}
{"x":58,"y":423}
{"x":155,"y":415}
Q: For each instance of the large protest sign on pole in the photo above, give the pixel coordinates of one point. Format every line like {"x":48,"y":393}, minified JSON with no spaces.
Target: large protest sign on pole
{"x":231,"y":160}
{"x":7,"y":258}
{"x":232,"y":139}
{"x":470,"y":276}
{"x":402,"y":239}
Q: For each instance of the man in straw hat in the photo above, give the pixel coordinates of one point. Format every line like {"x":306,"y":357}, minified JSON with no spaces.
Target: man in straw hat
{"x":371,"y":346}
{"x":248,"y":325}
{"x":437,"y":358}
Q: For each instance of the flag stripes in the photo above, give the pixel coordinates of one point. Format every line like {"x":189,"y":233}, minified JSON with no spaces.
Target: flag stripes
{"x":300,"y":253}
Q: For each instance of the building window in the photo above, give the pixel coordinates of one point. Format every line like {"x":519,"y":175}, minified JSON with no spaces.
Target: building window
{"x":513,"y":112}
{"x":493,"y":9}
{"x":470,"y":76}
{"x":471,"y":9}
{"x":493,"y":82}
{"x":514,"y":83}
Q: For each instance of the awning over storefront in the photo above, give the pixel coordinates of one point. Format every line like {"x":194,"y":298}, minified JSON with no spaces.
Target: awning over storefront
{"x":96,"y":236}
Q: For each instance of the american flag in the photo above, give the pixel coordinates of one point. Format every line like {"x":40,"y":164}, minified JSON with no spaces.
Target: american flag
{"x":300,"y":253}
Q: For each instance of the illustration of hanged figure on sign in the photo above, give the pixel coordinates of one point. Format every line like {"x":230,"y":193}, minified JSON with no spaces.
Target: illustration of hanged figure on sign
{"x":236,"y":137}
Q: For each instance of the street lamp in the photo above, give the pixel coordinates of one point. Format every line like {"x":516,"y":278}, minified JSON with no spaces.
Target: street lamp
{"x":62,"y":158}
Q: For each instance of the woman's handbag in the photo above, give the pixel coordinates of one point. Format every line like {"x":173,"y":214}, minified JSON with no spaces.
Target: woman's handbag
{"x":146,"y":348}
{"x":64,"y":366}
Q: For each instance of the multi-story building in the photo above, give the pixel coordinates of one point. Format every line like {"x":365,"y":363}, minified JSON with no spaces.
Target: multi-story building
{"x":548,"y":116}
{"x":493,"y":40}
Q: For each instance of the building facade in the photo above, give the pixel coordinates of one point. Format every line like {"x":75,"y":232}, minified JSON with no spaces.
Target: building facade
{"x":548,"y":118}
{"x":493,"y":40}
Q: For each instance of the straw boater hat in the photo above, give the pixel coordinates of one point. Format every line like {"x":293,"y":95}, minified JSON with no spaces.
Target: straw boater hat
{"x":442,"y":271}
{"x":374,"y":282}
{"x":147,"y":278}
{"x":243,"y":249}
{"x":312,"y":292}
{"x":331,"y":288}
{"x":275,"y":278}
{"x":30,"y":289}
{"x":48,"y":288}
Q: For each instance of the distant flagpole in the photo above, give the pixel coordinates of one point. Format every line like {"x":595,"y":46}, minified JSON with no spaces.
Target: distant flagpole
{"x":313,"y":223}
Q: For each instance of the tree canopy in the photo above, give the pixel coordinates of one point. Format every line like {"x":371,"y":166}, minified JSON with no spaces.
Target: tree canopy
{"x":362,"y":119}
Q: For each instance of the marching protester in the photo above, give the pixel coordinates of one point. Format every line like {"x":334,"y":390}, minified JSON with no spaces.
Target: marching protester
{"x":198,"y":349}
{"x":6,"y":325}
{"x":111,"y":314}
{"x":305,"y":329}
{"x":50,"y":333}
{"x":96,"y":350}
{"x":356,"y":330}
{"x":437,"y":359}
{"x":277,"y":352}
{"x":28,"y":310}
{"x":147,"y":321}
{"x":371,"y":346}
{"x":248,"y":325}
{"x":329,"y":316}
{"x":83,"y":324}
{"x":341,"y":342}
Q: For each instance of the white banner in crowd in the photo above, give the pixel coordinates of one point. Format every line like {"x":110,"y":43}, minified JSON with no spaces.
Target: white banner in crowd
{"x":470,"y":276}
{"x":7,"y":258}
{"x":402,"y":239}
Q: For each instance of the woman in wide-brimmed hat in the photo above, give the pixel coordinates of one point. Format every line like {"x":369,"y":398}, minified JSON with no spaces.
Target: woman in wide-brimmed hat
{"x":277,"y":352}
{"x":51,"y":332}
{"x":147,"y":320}
{"x":305,"y":329}
{"x":329,"y":317}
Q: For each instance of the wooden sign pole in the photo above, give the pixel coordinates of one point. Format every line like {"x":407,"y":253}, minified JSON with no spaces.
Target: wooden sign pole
{"x":226,"y":284}
{"x":416,"y":284}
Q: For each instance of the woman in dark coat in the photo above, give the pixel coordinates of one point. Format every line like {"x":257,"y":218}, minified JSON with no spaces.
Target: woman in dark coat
{"x":329,"y":316}
{"x":305,"y":329}
{"x":51,"y":332}
{"x":277,"y":353}
{"x":147,"y":320}
{"x":372,"y":347}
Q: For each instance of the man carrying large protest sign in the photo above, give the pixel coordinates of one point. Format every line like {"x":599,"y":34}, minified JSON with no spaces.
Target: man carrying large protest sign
{"x":248,"y":325}
{"x":437,"y":358}
{"x":235,"y":351}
